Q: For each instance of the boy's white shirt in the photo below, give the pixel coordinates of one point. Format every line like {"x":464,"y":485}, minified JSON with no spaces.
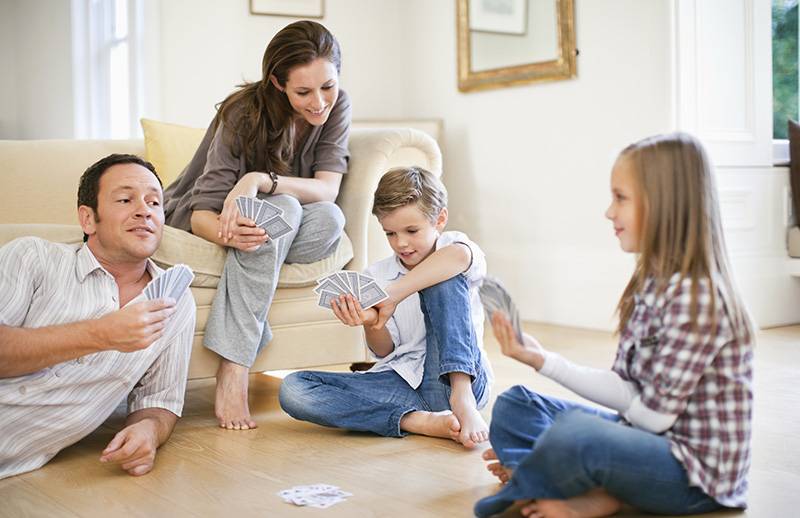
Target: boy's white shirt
{"x":407,"y":325}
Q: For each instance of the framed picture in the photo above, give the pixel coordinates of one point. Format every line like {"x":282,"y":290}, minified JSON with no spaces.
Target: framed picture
{"x":293,"y":8}
{"x":500,"y":16}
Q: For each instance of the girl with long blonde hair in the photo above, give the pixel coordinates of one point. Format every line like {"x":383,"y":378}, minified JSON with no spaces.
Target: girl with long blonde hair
{"x":681,"y":384}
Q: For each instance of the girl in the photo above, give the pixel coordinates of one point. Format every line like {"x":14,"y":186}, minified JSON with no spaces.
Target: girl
{"x":285,"y":137}
{"x":681,"y":382}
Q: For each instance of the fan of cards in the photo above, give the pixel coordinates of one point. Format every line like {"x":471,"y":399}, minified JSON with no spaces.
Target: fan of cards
{"x":266,"y":215}
{"x":362,"y":287}
{"x":172,"y":283}
{"x":495,"y":298}
{"x":315,"y":495}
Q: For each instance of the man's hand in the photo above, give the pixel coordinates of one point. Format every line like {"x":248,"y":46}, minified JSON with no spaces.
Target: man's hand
{"x":133,"y":448}
{"x":349,"y":312}
{"x":133,"y":327}
{"x":530,"y":352}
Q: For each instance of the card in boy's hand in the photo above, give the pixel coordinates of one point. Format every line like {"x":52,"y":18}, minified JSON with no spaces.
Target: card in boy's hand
{"x":265,"y":215}
{"x":496,"y":298}
{"x":172,"y":283}
{"x":362,"y":287}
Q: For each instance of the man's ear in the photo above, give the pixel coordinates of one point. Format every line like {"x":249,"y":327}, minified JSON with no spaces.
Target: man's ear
{"x":275,"y":83}
{"x":86,"y":217}
{"x":441,"y":219}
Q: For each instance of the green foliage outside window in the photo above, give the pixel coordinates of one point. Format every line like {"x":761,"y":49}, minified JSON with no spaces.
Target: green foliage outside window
{"x":784,"y":65}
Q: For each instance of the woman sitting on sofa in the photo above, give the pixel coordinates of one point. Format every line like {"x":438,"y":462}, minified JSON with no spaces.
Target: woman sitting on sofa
{"x":283,"y":138}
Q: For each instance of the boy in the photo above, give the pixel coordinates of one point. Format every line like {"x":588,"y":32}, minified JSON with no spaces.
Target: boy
{"x":432,"y":375}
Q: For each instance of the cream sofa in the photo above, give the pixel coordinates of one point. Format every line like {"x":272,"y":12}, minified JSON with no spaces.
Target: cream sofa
{"x":38,"y":197}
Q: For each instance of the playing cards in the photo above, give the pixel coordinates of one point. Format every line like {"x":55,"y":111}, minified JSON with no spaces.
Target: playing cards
{"x":362,"y":287}
{"x":266,"y":215}
{"x":315,"y":495}
{"x":172,"y":283}
{"x":495,"y":298}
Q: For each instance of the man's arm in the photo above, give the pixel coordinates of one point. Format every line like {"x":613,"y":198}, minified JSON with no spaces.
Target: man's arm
{"x":134,"y":447}
{"x":23,"y":351}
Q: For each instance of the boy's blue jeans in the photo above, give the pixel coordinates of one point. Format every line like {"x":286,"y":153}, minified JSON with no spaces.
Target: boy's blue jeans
{"x":558,"y":449}
{"x":377,"y":401}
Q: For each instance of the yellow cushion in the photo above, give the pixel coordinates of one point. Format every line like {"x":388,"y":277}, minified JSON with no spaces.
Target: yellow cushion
{"x":170,"y":147}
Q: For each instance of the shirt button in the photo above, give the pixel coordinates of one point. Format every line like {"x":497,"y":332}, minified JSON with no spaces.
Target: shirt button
{"x":79,"y":361}
{"x":22,"y":390}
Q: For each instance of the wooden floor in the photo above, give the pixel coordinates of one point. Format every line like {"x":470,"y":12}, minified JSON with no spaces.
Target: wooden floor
{"x":206,"y":471}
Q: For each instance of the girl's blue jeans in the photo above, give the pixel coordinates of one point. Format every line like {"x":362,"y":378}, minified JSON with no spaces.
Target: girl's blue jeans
{"x":558,"y":449}
{"x":377,"y":401}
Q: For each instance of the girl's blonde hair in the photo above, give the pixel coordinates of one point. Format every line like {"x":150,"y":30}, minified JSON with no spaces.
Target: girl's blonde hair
{"x":402,"y":186}
{"x":681,"y":230}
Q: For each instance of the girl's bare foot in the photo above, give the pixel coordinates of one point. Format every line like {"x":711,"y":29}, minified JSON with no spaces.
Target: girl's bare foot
{"x":474,"y":429}
{"x":593,"y":504}
{"x":230,"y":404}
{"x":433,"y":424}
{"x":498,"y":470}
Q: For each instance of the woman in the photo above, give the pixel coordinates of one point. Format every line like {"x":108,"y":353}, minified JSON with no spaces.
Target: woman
{"x":285,"y":138}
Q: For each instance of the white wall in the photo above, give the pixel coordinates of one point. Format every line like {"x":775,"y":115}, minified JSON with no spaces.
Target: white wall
{"x":8,"y":64}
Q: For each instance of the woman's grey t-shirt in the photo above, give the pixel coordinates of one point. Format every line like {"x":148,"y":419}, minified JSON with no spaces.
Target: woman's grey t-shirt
{"x":214,"y":169}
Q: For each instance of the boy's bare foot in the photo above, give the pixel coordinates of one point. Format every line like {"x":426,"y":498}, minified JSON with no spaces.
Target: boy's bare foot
{"x":230,"y":404}
{"x":498,"y":470}
{"x":474,"y":429}
{"x":433,"y":424}
{"x":593,"y":504}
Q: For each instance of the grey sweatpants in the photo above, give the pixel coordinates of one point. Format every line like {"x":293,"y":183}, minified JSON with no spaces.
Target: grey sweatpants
{"x":237,"y":326}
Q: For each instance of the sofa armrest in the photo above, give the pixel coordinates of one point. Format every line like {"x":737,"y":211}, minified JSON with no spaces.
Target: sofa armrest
{"x":372,"y":153}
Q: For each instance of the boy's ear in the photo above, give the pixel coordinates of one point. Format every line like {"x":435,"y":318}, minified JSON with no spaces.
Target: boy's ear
{"x":275,"y":83}
{"x":86,"y":217}
{"x":441,"y":219}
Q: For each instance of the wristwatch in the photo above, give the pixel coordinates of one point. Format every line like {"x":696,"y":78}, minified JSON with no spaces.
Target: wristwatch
{"x":274,"y":178}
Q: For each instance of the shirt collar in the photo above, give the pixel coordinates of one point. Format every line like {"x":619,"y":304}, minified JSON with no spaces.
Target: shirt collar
{"x":87,"y":263}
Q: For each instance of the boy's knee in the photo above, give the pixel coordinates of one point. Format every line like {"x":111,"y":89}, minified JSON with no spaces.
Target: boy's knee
{"x":292,"y":393}
{"x":448,"y":291}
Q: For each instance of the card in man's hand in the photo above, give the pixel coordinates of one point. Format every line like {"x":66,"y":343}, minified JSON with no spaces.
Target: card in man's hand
{"x":266,"y":215}
{"x":362,"y":287}
{"x":496,"y":298}
{"x":172,"y":283}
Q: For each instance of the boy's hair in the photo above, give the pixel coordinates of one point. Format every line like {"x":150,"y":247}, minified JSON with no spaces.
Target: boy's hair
{"x":681,"y":226}
{"x":89,"y":185}
{"x":403,"y":186}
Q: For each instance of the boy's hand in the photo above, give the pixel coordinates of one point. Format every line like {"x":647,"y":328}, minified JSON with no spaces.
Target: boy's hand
{"x":386,"y":308}
{"x":530,"y":353}
{"x":349,"y":312}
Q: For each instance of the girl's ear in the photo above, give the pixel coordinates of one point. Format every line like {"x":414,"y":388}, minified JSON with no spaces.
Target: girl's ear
{"x":275,"y":83}
{"x":441,"y":219}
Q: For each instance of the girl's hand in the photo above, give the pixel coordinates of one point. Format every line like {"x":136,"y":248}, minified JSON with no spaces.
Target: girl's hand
{"x":349,"y":312}
{"x":247,"y":186}
{"x":530,"y":352}
{"x":246,"y":236}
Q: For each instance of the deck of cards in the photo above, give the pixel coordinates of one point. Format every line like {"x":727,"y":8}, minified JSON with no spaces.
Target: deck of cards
{"x":495,"y":298}
{"x":266,"y":215}
{"x":362,"y":287}
{"x":172,"y":283}
{"x":316,"y":495}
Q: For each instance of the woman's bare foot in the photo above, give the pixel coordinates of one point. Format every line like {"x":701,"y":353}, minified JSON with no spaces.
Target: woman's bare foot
{"x":433,"y":424}
{"x":230,"y":404}
{"x":593,"y":504}
{"x":474,"y":429}
{"x":498,"y":470}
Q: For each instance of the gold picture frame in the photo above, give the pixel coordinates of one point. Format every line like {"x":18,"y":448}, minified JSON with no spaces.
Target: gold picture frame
{"x":290,"y":8}
{"x":563,"y":67}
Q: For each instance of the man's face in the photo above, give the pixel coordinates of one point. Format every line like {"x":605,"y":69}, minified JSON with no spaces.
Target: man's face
{"x":130,"y":216}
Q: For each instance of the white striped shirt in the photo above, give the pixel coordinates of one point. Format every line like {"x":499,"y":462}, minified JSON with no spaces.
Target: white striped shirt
{"x":44,"y":284}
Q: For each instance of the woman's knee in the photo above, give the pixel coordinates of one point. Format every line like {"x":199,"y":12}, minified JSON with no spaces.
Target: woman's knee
{"x":575,"y":438}
{"x":511,"y":406}
{"x":328,"y":218}
{"x":292,"y":209}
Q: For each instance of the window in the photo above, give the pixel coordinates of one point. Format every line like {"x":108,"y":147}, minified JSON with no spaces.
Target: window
{"x":785,"y":85}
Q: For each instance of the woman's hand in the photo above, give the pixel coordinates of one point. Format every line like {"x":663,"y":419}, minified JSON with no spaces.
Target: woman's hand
{"x":246,"y":236}
{"x":348,"y":310}
{"x":530,"y":352}
{"x":248,"y":186}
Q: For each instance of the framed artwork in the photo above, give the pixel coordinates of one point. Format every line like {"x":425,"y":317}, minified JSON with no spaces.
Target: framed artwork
{"x":499,"y":16}
{"x":293,"y":8}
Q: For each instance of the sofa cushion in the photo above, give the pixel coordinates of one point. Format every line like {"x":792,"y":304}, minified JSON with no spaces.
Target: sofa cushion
{"x":794,"y":242}
{"x":204,"y":258}
{"x":169,"y":147}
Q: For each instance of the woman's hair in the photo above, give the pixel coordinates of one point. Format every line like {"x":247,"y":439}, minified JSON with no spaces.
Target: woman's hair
{"x":681,"y":231}
{"x":258,"y":116}
{"x":402,"y":186}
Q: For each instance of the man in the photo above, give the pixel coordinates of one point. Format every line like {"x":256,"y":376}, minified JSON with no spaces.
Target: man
{"x":77,"y":335}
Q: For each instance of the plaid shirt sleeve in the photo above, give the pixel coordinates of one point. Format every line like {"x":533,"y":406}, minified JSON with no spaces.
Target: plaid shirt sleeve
{"x":684,"y":349}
